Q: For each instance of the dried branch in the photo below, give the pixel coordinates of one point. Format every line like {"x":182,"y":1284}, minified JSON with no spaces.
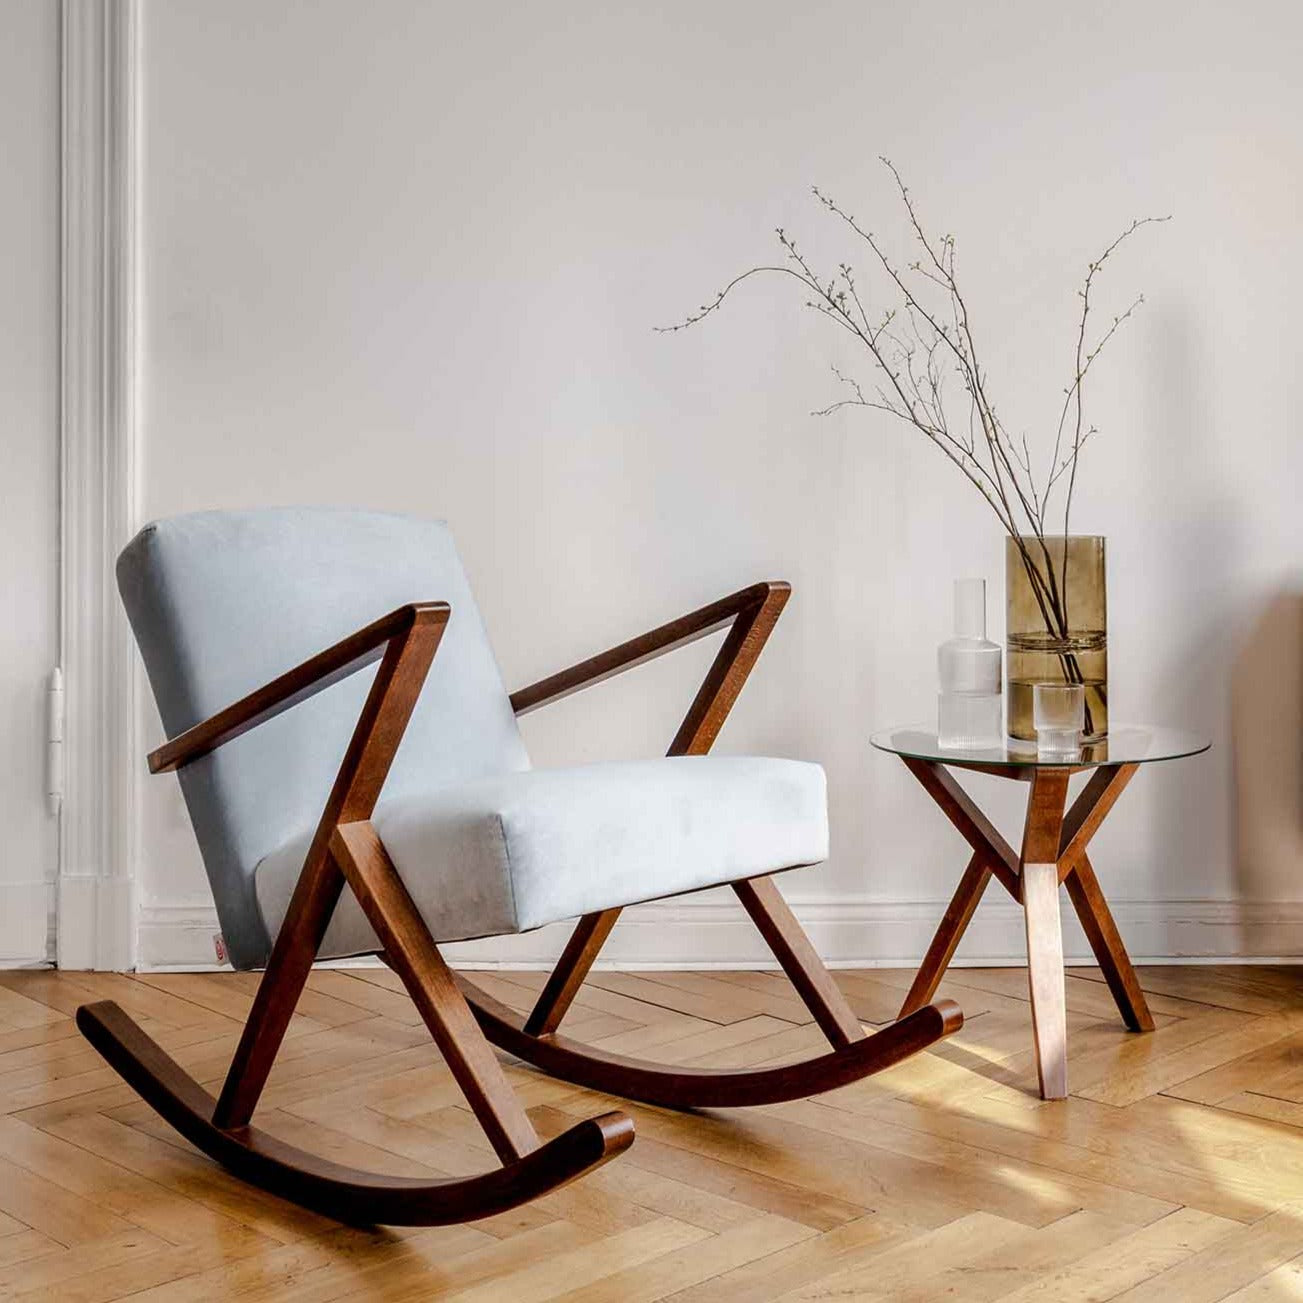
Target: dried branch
{"x":914,"y":344}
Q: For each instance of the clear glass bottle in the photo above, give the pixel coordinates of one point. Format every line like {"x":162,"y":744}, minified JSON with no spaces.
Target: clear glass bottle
{"x":970,"y":708}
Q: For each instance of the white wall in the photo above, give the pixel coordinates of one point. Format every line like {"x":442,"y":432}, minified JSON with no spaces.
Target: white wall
{"x":411,"y":255}
{"x":29,"y":461}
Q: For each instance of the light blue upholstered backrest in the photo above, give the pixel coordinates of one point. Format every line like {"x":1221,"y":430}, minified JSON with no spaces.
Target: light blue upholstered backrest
{"x":223,"y":601}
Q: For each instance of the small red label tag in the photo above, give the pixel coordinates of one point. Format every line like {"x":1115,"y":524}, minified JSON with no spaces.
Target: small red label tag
{"x":219,"y":947}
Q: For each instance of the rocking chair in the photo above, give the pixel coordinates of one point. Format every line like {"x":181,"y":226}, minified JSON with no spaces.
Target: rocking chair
{"x":467,"y":840}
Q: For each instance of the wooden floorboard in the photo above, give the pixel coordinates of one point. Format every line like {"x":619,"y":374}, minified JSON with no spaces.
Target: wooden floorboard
{"x":1174,"y":1171}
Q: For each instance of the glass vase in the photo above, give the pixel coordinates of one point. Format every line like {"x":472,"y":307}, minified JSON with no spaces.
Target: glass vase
{"x":1056,"y":625}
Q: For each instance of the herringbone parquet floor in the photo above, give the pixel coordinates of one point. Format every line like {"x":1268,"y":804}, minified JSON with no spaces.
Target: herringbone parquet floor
{"x":1174,"y":1173}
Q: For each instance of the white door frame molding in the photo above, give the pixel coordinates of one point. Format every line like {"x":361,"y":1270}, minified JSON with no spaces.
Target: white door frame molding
{"x":99,"y":53}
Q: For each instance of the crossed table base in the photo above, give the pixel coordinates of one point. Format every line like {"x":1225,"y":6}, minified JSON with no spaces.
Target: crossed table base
{"x":1053,"y":852}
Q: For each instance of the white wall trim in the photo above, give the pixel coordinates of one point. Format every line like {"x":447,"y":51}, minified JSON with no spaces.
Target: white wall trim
{"x":848,"y":933}
{"x":24,"y":919}
{"x":100,"y":156}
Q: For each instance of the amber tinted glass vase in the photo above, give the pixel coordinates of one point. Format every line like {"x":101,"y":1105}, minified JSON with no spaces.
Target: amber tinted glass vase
{"x":1057,"y":626}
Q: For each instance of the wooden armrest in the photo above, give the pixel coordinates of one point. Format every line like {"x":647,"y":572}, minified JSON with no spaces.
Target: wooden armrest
{"x":306,"y":680}
{"x":678,"y":633}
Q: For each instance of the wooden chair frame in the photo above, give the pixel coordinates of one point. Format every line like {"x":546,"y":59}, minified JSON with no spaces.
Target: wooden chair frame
{"x":463,"y":1020}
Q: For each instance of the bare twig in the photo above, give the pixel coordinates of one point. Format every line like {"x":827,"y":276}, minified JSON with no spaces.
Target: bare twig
{"x":914,"y":344}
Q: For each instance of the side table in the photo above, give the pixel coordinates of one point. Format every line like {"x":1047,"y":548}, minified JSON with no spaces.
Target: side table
{"x":1053,"y":852}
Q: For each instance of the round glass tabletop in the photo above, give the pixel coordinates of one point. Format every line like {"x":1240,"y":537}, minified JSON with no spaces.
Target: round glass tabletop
{"x":1126,"y":744}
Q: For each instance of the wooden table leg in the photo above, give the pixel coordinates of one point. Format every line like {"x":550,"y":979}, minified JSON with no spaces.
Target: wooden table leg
{"x":1040,"y":898}
{"x":1053,"y":852}
{"x":992,"y":857}
{"x":1105,"y":940}
{"x":1075,"y":872}
{"x":948,"y":935}
{"x":1045,"y":977}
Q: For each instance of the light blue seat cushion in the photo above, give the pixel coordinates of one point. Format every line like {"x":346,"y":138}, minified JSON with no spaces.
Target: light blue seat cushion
{"x":515,"y":851}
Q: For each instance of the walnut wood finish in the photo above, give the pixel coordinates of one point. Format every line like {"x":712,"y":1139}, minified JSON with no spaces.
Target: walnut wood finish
{"x":380,"y":727}
{"x":358,"y":1198}
{"x":410,"y":951}
{"x":684,"y":1087}
{"x":1040,"y":883}
{"x":637,"y":651}
{"x":1075,"y":871}
{"x":346,"y":850}
{"x":761,"y":899}
{"x":730,"y":669}
{"x":1105,"y":940}
{"x":941,"y":951}
{"x":1053,"y":852}
{"x":313,"y":676}
{"x":1044,"y":824}
{"x":973,"y":826}
{"x":1089,"y":810}
{"x":563,"y":984}
{"x":1046,"y":978}
{"x":752,"y":613}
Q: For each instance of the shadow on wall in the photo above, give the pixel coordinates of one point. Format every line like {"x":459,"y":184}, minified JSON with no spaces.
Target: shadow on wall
{"x":1267,"y":747}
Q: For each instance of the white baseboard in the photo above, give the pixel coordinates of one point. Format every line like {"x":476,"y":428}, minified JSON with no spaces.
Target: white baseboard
{"x":24,"y":922}
{"x":851,"y":933}
{"x":95,"y":922}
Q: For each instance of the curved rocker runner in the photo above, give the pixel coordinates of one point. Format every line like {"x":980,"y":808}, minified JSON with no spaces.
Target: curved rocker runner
{"x":325,"y":1187}
{"x":472,"y":843}
{"x":652,"y":1083}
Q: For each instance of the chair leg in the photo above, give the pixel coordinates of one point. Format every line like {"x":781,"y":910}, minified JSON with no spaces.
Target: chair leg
{"x":568,"y":976}
{"x":724,"y":680}
{"x":411,"y":951}
{"x":853,"y":1057}
{"x":529,"y":1169}
{"x":771,"y":914}
{"x":315,"y":898}
{"x":379,"y":729}
{"x":221,"y":1128}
